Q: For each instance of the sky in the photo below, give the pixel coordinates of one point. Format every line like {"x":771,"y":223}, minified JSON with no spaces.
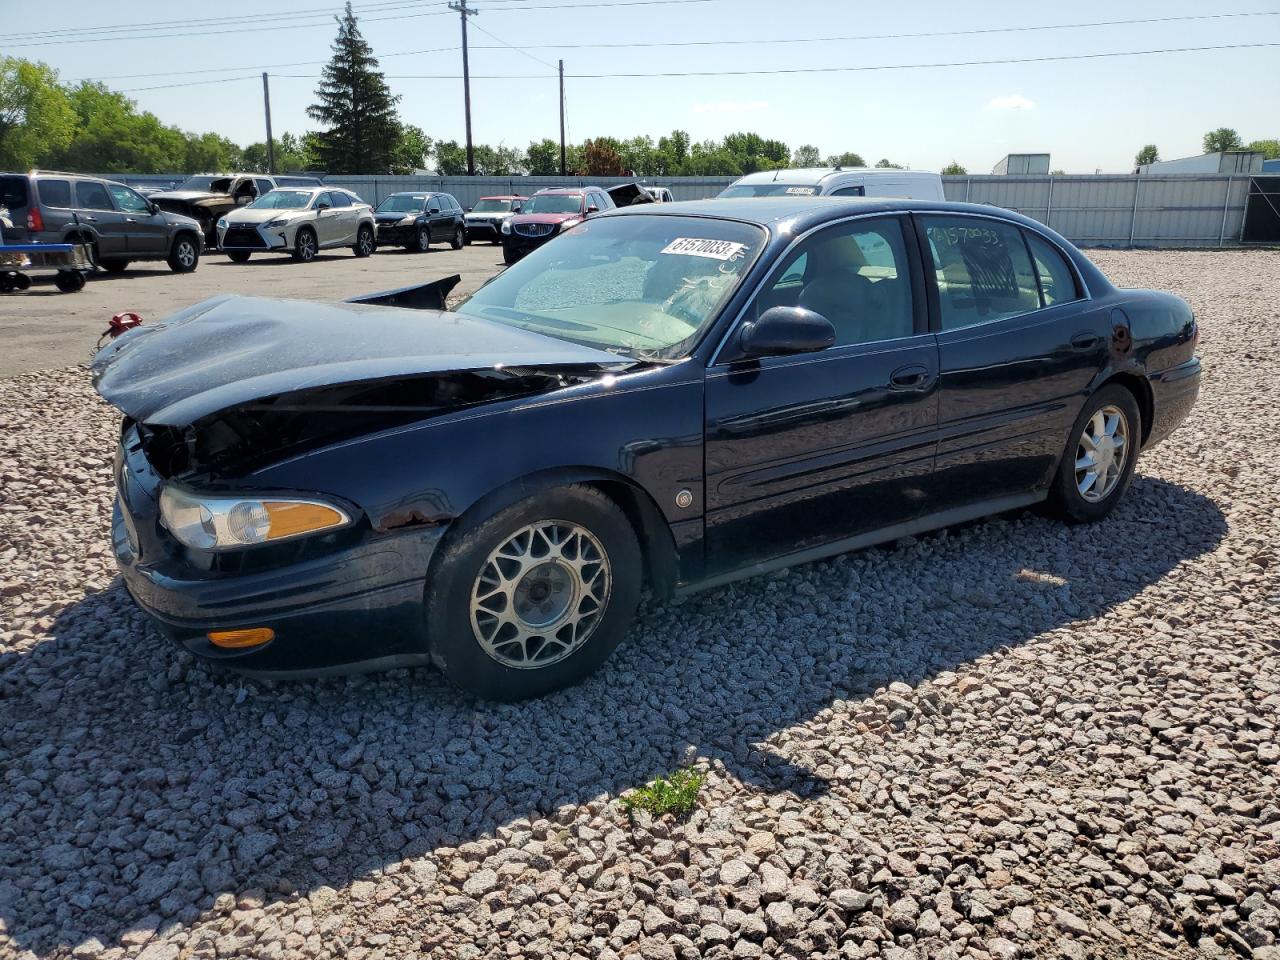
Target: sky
{"x":1089,"y":114}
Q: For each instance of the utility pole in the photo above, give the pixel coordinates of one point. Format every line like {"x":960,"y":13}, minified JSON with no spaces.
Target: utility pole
{"x":266,"y":103}
{"x":562,"y":173}
{"x":463,"y":12}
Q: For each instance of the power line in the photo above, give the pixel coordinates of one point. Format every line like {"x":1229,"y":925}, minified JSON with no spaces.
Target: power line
{"x":510,"y":47}
{"x":260,"y":66}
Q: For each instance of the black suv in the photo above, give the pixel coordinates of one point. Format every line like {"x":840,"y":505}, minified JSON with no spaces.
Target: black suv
{"x":415,"y":218}
{"x":118,"y":223}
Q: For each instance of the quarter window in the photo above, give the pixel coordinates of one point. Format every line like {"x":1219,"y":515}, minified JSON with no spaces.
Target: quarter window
{"x":55,"y":193}
{"x":982,"y":270}
{"x":92,"y":196}
{"x":1057,"y":282}
{"x":850,"y":192}
{"x":854,"y":274}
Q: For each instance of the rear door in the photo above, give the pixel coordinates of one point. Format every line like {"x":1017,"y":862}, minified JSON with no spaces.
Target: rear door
{"x":93,"y":205}
{"x":441,"y":219}
{"x":147,"y":233}
{"x":803,"y":451}
{"x":15,"y":197}
{"x":1019,"y":348}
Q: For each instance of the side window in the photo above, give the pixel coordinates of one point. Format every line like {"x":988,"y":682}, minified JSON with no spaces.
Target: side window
{"x":339,"y":199}
{"x":55,"y":193}
{"x":604,"y":201}
{"x":1057,"y":282}
{"x":854,"y":274}
{"x":127,"y":200}
{"x":453,"y":203}
{"x":264,"y":186}
{"x":323,"y":198}
{"x":433,"y":203}
{"x":92,"y":196}
{"x":982,"y":270}
{"x":858,"y":191}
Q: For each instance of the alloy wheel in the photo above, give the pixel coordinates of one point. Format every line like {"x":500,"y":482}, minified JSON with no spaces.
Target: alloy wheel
{"x":365,"y":241}
{"x":306,"y":246}
{"x":1101,"y":453}
{"x":540,"y":594}
{"x":186,"y":253}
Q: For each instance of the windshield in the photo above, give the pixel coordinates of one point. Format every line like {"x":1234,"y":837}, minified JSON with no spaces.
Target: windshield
{"x":642,"y":286}
{"x":282,"y":199}
{"x":492,"y":206}
{"x":553,"y":203}
{"x":403,"y":203}
{"x":200,"y":183}
{"x":772,"y":189}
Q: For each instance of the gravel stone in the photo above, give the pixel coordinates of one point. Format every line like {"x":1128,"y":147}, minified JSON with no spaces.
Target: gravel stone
{"x":1010,"y":739}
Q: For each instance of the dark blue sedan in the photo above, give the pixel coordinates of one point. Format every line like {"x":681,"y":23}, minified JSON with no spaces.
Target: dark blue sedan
{"x":678,"y":395}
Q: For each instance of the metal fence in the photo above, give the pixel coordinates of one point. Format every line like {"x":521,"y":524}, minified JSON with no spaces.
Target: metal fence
{"x":1171,"y":210}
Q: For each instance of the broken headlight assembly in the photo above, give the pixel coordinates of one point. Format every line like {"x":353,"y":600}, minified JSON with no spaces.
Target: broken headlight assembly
{"x":207,"y":522}
{"x":278,"y":222}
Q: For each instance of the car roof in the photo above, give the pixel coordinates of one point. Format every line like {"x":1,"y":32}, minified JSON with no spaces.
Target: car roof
{"x":569,"y":190}
{"x":809,"y":175}
{"x":506,"y":196}
{"x":805,"y":212}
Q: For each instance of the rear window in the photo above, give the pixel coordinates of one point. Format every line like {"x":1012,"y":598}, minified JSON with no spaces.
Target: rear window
{"x":13,"y":192}
{"x":55,"y":193}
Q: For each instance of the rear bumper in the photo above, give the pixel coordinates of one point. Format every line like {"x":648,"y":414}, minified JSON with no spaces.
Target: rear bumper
{"x":1173,"y":393}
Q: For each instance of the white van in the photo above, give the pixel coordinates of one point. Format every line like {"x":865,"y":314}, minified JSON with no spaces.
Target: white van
{"x":839,"y":182}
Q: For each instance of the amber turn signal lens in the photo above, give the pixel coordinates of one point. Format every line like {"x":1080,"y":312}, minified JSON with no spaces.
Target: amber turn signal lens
{"x":239,"y":639}
{"x":289,"y":519}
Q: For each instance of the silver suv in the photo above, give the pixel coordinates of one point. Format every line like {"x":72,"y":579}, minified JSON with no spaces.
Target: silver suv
{"x":117,"y":222}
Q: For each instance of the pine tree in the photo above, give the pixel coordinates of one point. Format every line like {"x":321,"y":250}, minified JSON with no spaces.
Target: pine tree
{"x":357,"y":107}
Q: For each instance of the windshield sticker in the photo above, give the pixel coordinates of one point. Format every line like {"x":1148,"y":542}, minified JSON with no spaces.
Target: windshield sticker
{"x":801,"y":191}
{"x":714,"y":249}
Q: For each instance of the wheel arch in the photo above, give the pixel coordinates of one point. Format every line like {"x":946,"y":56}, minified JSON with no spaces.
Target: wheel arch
{"x":1137,"y":385}
{"x":188,"y":231}
{"x":659,"y":558}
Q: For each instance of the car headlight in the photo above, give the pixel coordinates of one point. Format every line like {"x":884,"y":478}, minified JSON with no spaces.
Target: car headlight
{"x":222,"y":223}
{"x":569,"y":223}
{"x":506,"y":226}
{"x":277,"y":223}
{"x":225,"y":523}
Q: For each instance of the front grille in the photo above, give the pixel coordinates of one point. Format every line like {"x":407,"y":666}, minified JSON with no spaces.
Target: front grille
{"x":243,"y":237}
{"x":534,"y":229}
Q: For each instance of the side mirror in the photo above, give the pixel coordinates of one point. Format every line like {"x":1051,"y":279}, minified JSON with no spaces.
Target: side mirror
{"x":515,"y":207}
{"x":592,"y":208}
{"x":467,"y":209}
{"x":153,"y":207}
{"x":781,"y":331}
{"x":323,"y":205}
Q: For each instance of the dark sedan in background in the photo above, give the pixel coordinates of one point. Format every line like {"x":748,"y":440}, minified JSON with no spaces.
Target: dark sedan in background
{"x":416,"y":219}
{"x":680,"y":395}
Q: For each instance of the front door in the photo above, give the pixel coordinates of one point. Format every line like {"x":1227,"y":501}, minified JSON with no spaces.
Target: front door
{"x":1017,"y":356}
{"x":328,"y":220}
{"x":147,"y":233}
{"x":803,"y":451}
{"x":94,"y":207}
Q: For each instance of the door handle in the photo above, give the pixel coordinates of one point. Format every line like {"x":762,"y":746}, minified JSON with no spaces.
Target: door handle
{"x":913,"y":377}
{"x":90,"y":219}
{"x":1085,"y":341}
{"x":130,"y":220}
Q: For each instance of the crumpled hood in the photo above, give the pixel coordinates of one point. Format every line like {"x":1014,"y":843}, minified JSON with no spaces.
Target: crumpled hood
{"x":231,"y":350}
{"x":188,"y":196}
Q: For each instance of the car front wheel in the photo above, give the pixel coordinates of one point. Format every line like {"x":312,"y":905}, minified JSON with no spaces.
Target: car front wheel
{"x":1100,"y":456}
{"x":238,"y":256}
{"x":184,"y":256}
{"x":422,"y":240}
{"x":305,"y":247}
{"x":535,"y":597}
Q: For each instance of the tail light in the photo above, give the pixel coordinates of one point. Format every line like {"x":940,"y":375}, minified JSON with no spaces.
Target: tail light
{"x":34,"y":220}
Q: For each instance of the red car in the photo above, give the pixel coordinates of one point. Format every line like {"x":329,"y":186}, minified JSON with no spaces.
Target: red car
{"x":547,"y":213}
{"x":484,"y":221}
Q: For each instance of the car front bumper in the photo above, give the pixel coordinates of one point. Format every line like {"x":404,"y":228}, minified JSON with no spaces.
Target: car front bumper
{"x":352,"y":606}
{"x":397,"y":233}
{"x":252,"y":237}
{"x":483,"y":229}
{"x":513,"y":244}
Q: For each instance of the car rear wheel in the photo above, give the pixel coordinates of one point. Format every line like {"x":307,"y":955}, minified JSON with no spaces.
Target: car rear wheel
{"x":304,"y":245}
{"x":184,"y":255}
{"x":364,"y":244}
{"x":114,"y":266}
{"x":509,"y":256}
{"x":1100,"y":456}
{"x":459,"y":238}
{"x":238,"y":256}
{"x":535,"y":597}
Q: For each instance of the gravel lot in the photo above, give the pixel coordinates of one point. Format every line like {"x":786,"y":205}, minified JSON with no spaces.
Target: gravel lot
{"x":47,"y":330}
{"x":1015,"y":739}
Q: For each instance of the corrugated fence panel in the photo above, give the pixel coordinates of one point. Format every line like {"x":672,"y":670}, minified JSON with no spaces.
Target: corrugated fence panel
{"x":1170,"y":210}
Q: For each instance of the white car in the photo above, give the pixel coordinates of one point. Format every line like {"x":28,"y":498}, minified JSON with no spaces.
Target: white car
{"x":300,"y":221}
{"x":838,"y":182}
{"x":660,"y":194}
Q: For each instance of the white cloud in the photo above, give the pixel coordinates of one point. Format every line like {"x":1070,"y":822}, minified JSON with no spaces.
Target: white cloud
{"x":1015,"y":101}
{"x":731,"y":106}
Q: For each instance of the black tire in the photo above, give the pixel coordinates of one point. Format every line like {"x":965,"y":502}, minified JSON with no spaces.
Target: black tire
{"x":459,"y":238}
{"x":455,"y":646}
{"x":238,"y":256}
{"x":1065,"y":496}
{"x":422,"y":240}
{"x":69,"y":281}
{"x":365,"y":243}
{"x":114,"y":266}
{"x":184,"y":255}
{"x":508,"y":256}
{"x":305,"y":245}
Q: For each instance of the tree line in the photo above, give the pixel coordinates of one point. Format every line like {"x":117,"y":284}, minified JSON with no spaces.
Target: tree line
{"x":1217,"y":141}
